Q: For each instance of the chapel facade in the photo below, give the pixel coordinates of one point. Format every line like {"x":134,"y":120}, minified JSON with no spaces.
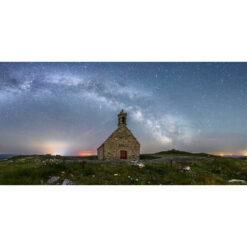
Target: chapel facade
{"x":121,"y":144}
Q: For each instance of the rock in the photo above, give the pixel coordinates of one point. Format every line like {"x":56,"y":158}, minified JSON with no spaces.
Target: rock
{"x":187,"y":168}
{"x":137,"y":163}
{"x":141,"y":165}
{"x":52,"y":179}
{"x":67,"y":181}
{"x":237,"y":181}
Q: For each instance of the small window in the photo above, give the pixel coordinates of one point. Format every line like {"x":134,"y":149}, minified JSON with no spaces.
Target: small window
{"x":123,"y":120}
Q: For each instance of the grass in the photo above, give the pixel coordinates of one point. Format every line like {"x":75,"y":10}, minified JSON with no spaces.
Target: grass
{"x":37,"y":169}
{"x":148,"y":157}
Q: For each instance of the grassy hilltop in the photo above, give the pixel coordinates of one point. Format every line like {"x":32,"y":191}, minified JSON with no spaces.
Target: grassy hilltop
{"x":169,"y":168}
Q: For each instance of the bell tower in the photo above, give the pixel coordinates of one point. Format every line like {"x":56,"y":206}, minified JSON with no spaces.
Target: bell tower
{"x":122,"y":119}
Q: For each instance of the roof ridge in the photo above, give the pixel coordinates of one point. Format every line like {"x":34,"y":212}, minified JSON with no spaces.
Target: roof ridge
{"x":117,"y":130}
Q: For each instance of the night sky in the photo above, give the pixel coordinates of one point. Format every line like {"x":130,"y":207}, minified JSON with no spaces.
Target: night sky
{"x":71,"y":108}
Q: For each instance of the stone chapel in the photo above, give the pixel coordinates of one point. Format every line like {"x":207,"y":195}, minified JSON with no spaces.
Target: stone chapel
{"x":121,"y":144}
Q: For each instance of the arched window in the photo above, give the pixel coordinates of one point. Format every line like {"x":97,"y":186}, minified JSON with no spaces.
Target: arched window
{"x":123,"y":120}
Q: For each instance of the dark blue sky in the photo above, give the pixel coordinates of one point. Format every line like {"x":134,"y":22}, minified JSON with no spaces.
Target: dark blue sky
{"x":71,"y":108}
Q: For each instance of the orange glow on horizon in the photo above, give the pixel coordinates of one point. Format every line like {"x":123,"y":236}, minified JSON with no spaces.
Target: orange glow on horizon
{"x":231,"y":154}
{"x":86,"y":153}
{"x":222,"y":154}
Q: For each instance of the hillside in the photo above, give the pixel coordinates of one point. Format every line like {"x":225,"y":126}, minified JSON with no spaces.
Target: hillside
{"x":183,"y":153}
{"x":168,"y":168}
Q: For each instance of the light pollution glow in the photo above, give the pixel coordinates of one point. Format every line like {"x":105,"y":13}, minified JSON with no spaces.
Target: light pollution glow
{"x":86,"y":153}
{"x":51,"y":147}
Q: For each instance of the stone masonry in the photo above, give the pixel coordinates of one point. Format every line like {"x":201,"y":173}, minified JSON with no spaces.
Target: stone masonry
{"x":121,"y":144}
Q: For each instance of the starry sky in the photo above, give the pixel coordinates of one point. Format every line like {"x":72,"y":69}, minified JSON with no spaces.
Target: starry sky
{"x":71,"y":108}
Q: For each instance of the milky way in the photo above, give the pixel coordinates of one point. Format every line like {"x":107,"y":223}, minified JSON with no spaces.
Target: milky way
{"x":71,"y":108}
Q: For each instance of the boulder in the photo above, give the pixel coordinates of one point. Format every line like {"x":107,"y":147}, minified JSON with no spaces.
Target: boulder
{"x":52,"y":179}
{"x":187,"y":169}
{"x":237,"y":181}
{"x":67,"y":181}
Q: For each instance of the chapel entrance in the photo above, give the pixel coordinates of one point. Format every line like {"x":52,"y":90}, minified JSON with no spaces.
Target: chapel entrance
{"x":123,"y":155}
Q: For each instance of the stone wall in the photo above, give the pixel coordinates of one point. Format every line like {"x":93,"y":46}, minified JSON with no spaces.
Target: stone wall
{"x":100,"y":152}
{"x":121,"y":140}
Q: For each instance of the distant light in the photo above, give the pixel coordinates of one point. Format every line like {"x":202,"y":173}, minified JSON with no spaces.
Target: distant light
{"x":85,"y":153}
{"x":53,"y":147}
{"x":228,"y":154}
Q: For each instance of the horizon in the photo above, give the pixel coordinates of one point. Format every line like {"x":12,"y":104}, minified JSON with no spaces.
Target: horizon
{"x":87,"y":154}
{"x":71,"y":108}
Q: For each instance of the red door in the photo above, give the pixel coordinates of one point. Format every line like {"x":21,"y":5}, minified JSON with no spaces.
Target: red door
{"x":123,"y":155}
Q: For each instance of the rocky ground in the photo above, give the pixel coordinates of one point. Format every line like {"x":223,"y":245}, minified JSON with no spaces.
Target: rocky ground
{"x":164,"y":168}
